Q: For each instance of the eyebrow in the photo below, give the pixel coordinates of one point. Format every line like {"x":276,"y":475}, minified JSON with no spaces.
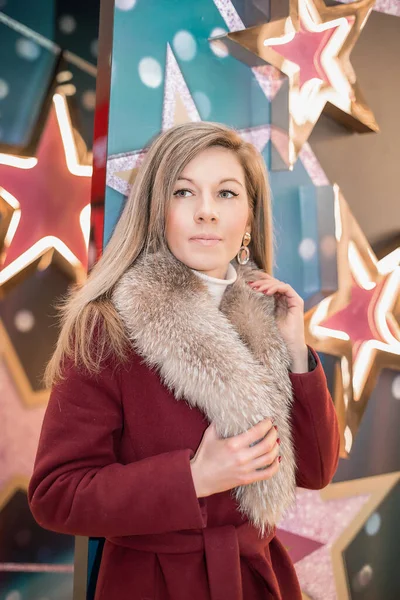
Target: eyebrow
{"x":222,"y":180}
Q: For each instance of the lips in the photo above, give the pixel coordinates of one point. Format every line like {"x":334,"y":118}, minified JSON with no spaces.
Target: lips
{"x":206,"y":241}
{"x":205,"y":236}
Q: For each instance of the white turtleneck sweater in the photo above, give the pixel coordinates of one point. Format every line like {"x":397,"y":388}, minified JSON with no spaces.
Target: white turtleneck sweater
{"x":216,"y":286}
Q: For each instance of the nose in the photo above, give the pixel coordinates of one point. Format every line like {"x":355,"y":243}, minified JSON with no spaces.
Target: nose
{"x":206,"y":210}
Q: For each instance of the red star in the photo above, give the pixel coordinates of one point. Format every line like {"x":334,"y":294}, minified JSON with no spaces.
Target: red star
{"x":50,"y":198}
{"x":304,"y":49}
{"x":298,"y":546}
{"x":357,"y":318}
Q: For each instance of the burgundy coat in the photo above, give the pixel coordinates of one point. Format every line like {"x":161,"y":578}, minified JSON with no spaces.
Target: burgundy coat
{"x":113,"y":461}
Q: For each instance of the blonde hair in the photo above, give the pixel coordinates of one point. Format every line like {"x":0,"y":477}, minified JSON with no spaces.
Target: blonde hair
{"x":87,"y":309}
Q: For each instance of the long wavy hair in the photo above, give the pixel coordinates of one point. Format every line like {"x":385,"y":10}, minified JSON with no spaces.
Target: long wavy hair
{"x":86,"y":309}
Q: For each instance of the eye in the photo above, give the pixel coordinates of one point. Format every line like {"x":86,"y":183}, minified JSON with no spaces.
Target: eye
{"x":177,"y":193}
{"x":229,"y":192}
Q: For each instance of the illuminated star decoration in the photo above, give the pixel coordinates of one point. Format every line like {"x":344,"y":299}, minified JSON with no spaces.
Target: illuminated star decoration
{"x":333,"y":517}
{"x":179,"y":107}
{"x":50,"y":198}
{"x":311,"y":46}
{"x":357,"y":323}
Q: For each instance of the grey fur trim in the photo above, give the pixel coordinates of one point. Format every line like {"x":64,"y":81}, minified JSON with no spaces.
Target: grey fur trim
{"x":231,"y":362}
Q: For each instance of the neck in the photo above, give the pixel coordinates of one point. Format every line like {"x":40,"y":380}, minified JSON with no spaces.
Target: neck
{"x":217,"y":286}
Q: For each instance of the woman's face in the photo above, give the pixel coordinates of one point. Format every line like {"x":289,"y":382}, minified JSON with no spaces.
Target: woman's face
{"x":209,"y":198}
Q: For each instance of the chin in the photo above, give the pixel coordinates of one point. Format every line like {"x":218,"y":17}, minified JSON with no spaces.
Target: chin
{"x":201,"y":263}
{"x":203,"y":259}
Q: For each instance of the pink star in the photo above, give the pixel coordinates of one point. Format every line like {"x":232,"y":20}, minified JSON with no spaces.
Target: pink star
{"x":51,"y":199}
{"x":357,"y":318}
{"x":305,"y":49}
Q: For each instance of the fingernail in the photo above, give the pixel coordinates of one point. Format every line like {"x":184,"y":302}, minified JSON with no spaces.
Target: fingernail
{"x":278,"y":441}
{"x":276,"y":427}
{"x":280,"y":458}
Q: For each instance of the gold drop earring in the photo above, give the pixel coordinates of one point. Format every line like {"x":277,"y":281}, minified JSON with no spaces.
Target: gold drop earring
{"x":243,"y":255}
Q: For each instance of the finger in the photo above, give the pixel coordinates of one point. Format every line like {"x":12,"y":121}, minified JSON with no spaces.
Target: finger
{"x":246,"y":455}
{"x":293,"y":299}
{"x":282,"y":289}
{"x":285,"y":288}
{"x":263,"y":447}
{"x":262,"y":282}
{"x":254,"y":434}
{"x":269,"y":283}
{"x":277,"y":285}
{"x":260,"y":287}
{"x":262,"y":275}
{"x":266,"y":473}
{"x":271,"y":289}
{"x":263,"y":462}
{"x":269,"y":471}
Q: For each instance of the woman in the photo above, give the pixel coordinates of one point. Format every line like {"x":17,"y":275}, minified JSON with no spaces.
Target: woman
{"x":185,"y":404}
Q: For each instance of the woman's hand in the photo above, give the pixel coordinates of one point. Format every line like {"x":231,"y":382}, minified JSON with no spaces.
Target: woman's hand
{"x":222,"y":464}
{"x":291,"y":325}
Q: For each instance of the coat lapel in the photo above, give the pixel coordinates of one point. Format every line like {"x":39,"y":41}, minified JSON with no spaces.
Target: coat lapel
{"x":230,"y":362}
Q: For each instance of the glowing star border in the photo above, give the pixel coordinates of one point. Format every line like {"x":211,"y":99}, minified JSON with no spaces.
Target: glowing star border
{"x":343,"y":102}
{"x":48,"y":243}
{"x":357,"y":374}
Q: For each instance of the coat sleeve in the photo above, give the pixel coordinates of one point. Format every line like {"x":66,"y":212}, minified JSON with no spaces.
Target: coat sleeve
{"x":78,"y":487}
{"x":315,"y":428}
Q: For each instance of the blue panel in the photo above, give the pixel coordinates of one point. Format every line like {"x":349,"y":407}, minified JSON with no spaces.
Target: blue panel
{"x":27,"y":74}
{"x":114,"y":203}
{"x":309,"y":227}
{"x":38,"y":15}
{"x":287,"y":223}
